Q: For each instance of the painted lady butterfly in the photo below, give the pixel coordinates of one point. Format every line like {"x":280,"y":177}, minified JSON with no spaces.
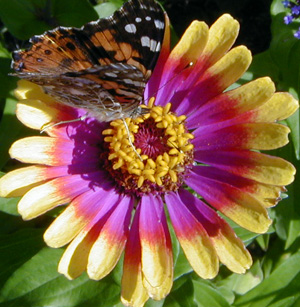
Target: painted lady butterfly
{"x":103,"y":66}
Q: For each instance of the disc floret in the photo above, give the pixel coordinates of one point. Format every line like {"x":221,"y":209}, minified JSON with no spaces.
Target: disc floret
{"x":163,"y":145}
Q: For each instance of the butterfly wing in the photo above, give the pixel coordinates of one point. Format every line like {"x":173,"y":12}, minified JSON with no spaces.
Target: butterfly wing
{"x":132,"y":35}
{"x":73,"y":65}
{"x":107,"y":92}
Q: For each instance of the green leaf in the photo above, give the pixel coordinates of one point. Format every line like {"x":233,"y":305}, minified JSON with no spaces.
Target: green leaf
{"x":9,"y":205}
{"x":242,"y":283}
{"x":282,"y":284}
{"x":176,"y":297}
{"x":207,"y":295}
{"x":10,"y":129}
{"x":24,"y":18}
{"x":107,"y":8}
{"x":287,"y":212}
{"x":37,"y":283}
{"x":16,"y":249}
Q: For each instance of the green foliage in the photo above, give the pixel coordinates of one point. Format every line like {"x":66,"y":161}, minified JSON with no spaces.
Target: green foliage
{"x":28,"y":269}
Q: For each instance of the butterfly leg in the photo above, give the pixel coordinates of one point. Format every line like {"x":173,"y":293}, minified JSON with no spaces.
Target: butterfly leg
{"x":129,"y":139}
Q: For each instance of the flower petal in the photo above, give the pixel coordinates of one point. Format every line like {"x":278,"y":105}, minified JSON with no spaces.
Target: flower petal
{"x":157,"y":259}
{"x":19,"y":181}
{"x":82,"y":210}
{"x":43,"y":150}
{"x":133,"y":291}
{"x":187,"y":51}
{"x":279,"y":107}
{"x":51,"y":194}
{"x":75,"y":259}
{"x":193,"y":238}
{"x":249,"y":164}
{"x":238,"y":205}
{"x":222,"y":35}
{"x":110,"y":243}
{"x":230,"y":249}
{"x":260,"y":136}
{"x":232,"y":103}
{"x":214,"y":80}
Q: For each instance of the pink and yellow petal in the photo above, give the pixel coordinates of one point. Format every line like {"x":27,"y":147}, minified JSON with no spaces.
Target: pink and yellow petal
{"x":215,"y":79}
{"x":82,"y":210}
{"x":43,"y":150}
{"x":230,"y":249}
{"x":229,"y":68}
{"x":20,"y":181}
{"x":37,"y":109}
{"x":51,"y":194}
{"x":233,"y":103}
{"x":156,"y":248}
{"x":240,"y":206}
{"x":193,"y":238}
{"x":109,"y":245}
{"x":259,"y":136}
{"x":190,"y":46}
{"x":75,"y":259}
{"x":187,"y":51}
{"x":249,"y":164}
{"x":133,"y":291}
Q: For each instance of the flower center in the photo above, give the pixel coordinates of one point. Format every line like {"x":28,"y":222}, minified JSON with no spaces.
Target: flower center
{"x":162,"y":142}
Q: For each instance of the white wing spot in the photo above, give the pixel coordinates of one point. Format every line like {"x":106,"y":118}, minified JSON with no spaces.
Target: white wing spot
{"x":130,"y":28}
{"x":159,"y":24}
{"x":138,"y":19}
{"x":158,"y":47}
{"x":145,"y":40}
{"x":150,"y":43}
{"x":148,"y":18}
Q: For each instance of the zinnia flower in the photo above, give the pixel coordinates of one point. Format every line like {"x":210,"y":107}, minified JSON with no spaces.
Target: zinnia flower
{"x":196,"y":136}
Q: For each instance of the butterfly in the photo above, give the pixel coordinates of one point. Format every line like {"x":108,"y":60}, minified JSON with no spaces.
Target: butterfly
{"x":103,"y":66}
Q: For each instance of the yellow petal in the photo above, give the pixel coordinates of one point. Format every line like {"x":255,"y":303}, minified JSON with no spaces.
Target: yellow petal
{"x":103,"y":257}
{"x":231,"y":250}
{"x":42,"y":199}
{"x":201,"y":254}
{"x":222,"y":35}
{"x":272,"y":170}
{"x":280,"y":106}
{"x":75,"y":258}
{"x":248,"y":212}
{"x":252,"y":94}
{"x":231,"y":66}
{"x":192,"y":42}
{"x":266,"y":136}
{"x":157,"y":266}
{"x":65,"y":227}
{"x":133,"y":291}
{"x":29,"y":90}
{"x":35,"y":114}
{"x":19,"y":181}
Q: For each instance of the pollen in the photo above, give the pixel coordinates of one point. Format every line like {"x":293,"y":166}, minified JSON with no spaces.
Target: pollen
{"x":159,"y":152}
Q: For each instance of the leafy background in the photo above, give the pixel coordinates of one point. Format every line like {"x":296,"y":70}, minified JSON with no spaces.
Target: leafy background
{"x":28,"y":269}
